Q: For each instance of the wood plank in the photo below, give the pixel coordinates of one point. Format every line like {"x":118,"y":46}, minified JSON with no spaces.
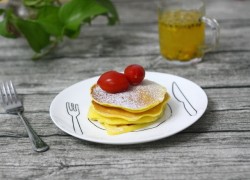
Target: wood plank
{"x":215,"y":147}
{"x":140,"y":37}
{"x":227,"y":69}
{"x":222,"y":114}
{"x":183,"y":156}
{"x":125,"y":40}
{"x":211,"y":121}
{"x":142,"y":11}
{"x":219,"y":99}
{"x":136,"y":12}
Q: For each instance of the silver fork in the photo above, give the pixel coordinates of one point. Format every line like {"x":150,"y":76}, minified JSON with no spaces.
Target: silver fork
{"x":13,"y":105}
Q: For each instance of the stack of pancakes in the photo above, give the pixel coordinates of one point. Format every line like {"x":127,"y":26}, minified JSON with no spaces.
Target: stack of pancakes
{"x":136,"y":108}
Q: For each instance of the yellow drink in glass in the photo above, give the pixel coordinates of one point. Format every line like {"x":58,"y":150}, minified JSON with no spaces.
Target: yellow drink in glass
{"x":181,"y":34}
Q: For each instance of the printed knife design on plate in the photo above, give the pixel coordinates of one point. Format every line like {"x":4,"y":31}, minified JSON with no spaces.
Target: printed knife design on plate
{"x":180,"y":96}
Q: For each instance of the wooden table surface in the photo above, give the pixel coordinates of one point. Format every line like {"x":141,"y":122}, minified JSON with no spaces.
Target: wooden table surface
{"x":217,"y":146}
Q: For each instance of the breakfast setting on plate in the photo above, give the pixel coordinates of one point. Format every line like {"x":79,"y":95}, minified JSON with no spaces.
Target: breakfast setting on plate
{"x":122,"y":89}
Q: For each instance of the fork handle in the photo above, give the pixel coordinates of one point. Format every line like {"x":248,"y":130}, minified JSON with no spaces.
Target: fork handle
{"x":37,"y":143}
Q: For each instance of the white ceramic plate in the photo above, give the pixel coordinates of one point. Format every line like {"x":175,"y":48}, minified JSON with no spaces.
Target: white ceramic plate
{"x":187,"y":104}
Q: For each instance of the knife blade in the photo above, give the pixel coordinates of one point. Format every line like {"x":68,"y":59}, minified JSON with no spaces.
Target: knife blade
{"x":180,"y":96}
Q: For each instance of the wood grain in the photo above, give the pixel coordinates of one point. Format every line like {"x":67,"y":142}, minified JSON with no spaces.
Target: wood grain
{"x":228,"y":69}
{"x":215,"y":147}
{"x":183,"y":156}
{"x":222,"y":114}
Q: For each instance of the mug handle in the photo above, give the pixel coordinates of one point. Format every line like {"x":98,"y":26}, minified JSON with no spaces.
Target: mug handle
{"x":215,"y":27}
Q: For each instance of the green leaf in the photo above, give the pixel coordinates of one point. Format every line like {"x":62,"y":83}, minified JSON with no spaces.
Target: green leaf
{"x":31,"y":2}
{"x":4,"y":30}
{"x":72,"y":33}
{"x":36,"y":36}
{"x":112,"y":14}
{"x":2,"y":11}
{"x":5,"y":25}
{"x":37,"y":3}
{"x":49,"y":20}
{"x":74,"y":12}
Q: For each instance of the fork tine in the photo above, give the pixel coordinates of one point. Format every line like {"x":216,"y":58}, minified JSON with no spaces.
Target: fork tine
{"x":72,"y":107}
{"x":67,"y":106}
{"x":2,"y":95}
{"x":13,"y":91}
{"x":9,"y":94}
{"x":77,"y":108}
{"x":6,"y":99}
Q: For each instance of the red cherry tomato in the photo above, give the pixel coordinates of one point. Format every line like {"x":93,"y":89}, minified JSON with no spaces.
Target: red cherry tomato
{"x":135,"y":74}
{"x":113,"y":82}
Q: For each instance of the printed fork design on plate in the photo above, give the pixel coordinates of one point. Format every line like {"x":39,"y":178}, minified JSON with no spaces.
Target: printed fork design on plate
{"x":13,"y":105}
{"x":74,"y":112}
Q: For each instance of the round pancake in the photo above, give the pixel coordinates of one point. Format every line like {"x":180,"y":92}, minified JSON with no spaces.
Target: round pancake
{"x":136,"y":99}
{"x":115,"y":130}
{"x":94,"y":115}
{"x":110,"y":112}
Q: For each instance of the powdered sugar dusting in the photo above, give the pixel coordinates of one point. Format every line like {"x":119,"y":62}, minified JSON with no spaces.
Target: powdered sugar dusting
{"x":137,"y":97}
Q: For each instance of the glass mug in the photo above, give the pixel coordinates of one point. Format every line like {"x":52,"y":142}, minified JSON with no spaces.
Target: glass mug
{"x":182,"y":36}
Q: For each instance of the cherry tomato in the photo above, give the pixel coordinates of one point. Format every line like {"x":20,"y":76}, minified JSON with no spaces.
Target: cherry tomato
{"x":135,"y":74}
{"x":113,"y":82}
